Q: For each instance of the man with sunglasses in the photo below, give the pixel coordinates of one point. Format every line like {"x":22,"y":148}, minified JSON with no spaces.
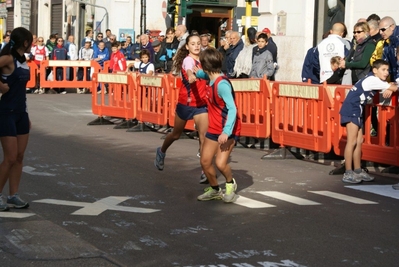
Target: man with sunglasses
{"x":390,"y":34}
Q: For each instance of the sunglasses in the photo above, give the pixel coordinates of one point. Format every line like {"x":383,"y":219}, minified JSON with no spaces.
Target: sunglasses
{"x":386,"y":28}
{"x":99,"y":36}
{"x":357,"y":32}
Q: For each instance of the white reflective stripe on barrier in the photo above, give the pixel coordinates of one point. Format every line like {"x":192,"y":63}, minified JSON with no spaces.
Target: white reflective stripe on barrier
{"x":151,"y":80}
{"x":246,"y":85}
{"x":293,"y":90}
{"x":69,"y":63}
{"x":112,"y":78}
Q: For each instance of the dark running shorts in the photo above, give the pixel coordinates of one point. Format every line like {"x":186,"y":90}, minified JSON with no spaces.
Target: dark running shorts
{"x":214,"y":137}
{"x":13,"y":124}
{"x":187,"y":113}
{"x":356,"y":120}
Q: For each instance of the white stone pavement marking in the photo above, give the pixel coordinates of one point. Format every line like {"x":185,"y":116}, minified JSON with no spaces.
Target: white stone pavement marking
{"x":98,"y":207}
{"x":288,"y":198}
{"x":343,"y":197}
{"x":383,"y":190}
{"x":17,"y":215}
{"x":250,"y":203}
{"x":30,"y":170}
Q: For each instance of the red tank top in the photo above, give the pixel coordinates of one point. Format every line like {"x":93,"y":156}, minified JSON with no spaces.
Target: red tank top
{"x":217,"y":110}
{"x":193,"y":95}
{"x":40,"y":54}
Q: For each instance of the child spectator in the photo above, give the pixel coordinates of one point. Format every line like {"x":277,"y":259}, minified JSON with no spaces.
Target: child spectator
{"x":59,"y":53}
{"x":85,"y":53}
{"x":224,"y":128}
{"x":143,"y":65}
{"x":352,"y":118}
{"x":118,"y":61}
{"x":101,"y":54}
{"x":262,"y":59}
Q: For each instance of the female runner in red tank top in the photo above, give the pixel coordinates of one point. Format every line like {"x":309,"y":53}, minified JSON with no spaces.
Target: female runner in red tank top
{"x":192,"y":97}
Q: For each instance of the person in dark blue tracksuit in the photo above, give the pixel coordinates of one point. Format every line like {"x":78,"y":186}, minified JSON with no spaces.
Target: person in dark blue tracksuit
{"x":352,"y":117}
{"x":14,"y":119}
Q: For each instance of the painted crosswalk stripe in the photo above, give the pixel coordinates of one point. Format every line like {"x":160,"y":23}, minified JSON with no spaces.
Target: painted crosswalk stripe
{"x":343,"y":197}
{"x":250,"y":203}
{"x":15,"y":215}
{"x":288,"y":198}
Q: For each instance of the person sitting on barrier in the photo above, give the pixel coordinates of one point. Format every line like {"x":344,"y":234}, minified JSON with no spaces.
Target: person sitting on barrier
{"x":223,"y":131}
{"x":192,"y":98}
{"x":117,"y":59}
{"x":40,"y":53}
{"x":85,"y":53}
{"x":14,"y":119}
{"x":262,"y":59}
{"x":352,"y":117}
{"x":59,"y":53}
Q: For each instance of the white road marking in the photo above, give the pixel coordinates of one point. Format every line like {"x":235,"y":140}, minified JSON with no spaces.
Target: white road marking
{"x":30,"y":170}
{"x":343,"y":197}
{"x":250,"y":203}
{"x":383,"y":190}
{"x":288,"y":198}
{"x":16,"y":215}
{"x":98,"y":207}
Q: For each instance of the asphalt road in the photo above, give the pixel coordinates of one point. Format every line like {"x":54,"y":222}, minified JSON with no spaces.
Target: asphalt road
{"x":96,"y":199}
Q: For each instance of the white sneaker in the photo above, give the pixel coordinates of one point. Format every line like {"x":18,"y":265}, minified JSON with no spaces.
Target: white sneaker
{"x":41,"y":91}
{"x":63,"y":92}
{"x":36,"y":91}
{"x":78,"y":91}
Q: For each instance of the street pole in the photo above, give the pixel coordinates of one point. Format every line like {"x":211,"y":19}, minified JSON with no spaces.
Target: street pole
{"x":143,"y":25}
{"x":248,"y":14}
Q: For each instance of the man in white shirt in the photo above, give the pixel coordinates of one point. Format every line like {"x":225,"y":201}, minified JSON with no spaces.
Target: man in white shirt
{"x":333,"y":45}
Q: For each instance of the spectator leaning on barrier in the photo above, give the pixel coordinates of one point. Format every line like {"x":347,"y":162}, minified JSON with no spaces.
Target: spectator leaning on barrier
{"x":39,"y":53}
{"x":159,"y":56}
{"x":352,"y":118}
{"x":14,"y":118}
{"x":232,"y":53}
{"x":143,"y":65}
{"x":101,"y":54}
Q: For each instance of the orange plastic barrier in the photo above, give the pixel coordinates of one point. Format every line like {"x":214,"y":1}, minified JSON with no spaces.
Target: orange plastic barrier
{"x":34,"y":70}
{"x":64,"y":67}
{"x":153,"y":98}
{"x":121,"y":99}
{"x":253,"y":99}
{"x":382,"y":148}
{"x":302,"y":116}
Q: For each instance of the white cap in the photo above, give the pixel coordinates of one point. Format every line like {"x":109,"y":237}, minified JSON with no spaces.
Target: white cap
{"x":162,"y":34}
